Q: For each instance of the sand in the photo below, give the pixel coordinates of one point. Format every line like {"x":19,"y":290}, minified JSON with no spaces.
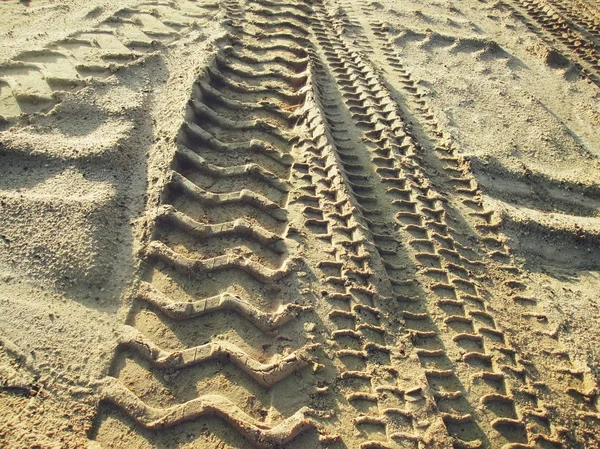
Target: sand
{"x":299,"y":224}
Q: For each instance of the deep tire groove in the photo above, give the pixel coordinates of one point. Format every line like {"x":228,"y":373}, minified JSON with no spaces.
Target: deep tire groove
{"x":336,"y":176}
{"x":459,"y":298}
{"x":213,"y":144}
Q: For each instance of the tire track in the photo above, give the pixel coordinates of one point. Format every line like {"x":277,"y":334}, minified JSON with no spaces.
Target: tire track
{"x":460,"y":299}
{"x":351,"y":28}
{"x":254,"y":431}
{"x":357,"y":181}
{"x":424,"y":332}
{"x":445,"y":154}
{"x":294,"y":149}
{"x":389,"y":408}
{"x":545,"y":21}
{"x":32,"y":81}
{"x":385,"y":240}
{"x":584,"y":17}
{"x":200,"y":205}
{"x":355,"y":313}
{"x":487,"y":225}
{"x":361,"y":349}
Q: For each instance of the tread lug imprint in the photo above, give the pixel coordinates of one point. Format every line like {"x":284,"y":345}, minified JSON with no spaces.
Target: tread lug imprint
{"x":294,"y":149}
{"x":31,"y":82}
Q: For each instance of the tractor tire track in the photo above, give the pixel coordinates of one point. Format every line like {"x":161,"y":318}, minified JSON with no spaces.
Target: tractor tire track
{"x":473,"y":323}
{"x":487,"y":224}
{"x":200,"y":202}
{"x":33,"y":81}
{"x":300,"y":202}
{"x":543,"y":19}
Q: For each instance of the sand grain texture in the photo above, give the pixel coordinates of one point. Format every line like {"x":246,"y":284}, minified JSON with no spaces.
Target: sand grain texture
{"x":299,"y":224}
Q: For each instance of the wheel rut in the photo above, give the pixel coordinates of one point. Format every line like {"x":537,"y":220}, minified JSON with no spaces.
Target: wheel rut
{"x":442,"y":269}
{"x":34,"y":81}
{"x":449,"y":172}
{"x":224,"y":243}
{"x":555,"y":22}
{"x":295,"y":148}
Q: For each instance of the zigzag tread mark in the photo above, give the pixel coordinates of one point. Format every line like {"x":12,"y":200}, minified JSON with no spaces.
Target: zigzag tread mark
{"x":195,"y":132}
{"x":205,"y":114}
{"x":245,"y":196}
{"x":219,"y":78}
{"x":260,"y":435}
{"x":267,"y":322}
{"x":269,"y":108}
{"x":248,"y":56}
{"x":266,"y":374}
{"x":293,"y":80}
{"x":162,"y":252}
{"x":276,"y":35}
{"x":251,"y":169}
{"x":237,"y":227}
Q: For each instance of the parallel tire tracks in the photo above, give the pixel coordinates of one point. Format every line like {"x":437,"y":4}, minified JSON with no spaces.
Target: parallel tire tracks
{"x":299,"y":201}
{"x":486,"y":225}
{"x":576,"y":34}
{"x":443,"y":267}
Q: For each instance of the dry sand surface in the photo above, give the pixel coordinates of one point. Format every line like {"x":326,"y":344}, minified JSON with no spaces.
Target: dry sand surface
{"x":300,"y":224}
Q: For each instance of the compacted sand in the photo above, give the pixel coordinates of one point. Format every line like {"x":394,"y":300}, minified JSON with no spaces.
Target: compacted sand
{"x":300,"y":224}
